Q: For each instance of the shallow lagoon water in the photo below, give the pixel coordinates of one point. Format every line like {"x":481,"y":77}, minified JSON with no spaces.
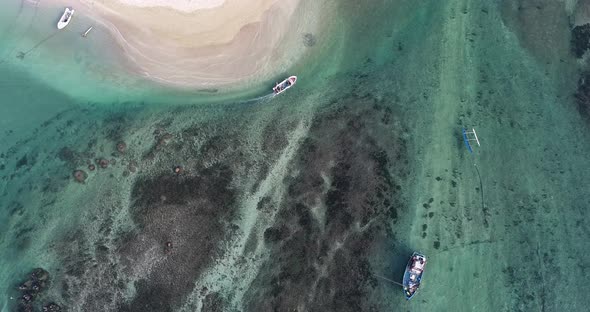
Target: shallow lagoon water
{"x":298,"y":201}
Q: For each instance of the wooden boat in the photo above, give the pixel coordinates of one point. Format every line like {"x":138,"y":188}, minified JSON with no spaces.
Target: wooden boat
{"x":413,"y":274}
{"x":284,"y":85}
{"x":65,"y":18}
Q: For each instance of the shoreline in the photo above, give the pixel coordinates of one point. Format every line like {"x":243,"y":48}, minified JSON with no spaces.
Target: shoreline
{"x":201,"y":49}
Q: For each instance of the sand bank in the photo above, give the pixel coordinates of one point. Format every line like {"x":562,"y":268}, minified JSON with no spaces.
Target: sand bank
{"x":198,"y":44}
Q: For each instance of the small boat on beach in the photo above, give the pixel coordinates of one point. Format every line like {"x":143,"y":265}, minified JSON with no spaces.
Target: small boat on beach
{"x":413,"y":274}
{"x":284,"y":85}
{"x":87,"y":31}
{"x":65,"y":18}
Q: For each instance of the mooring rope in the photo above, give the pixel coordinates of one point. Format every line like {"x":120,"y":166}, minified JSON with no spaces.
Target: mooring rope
{"x":22,"y":55}
{"x":392,"y":281}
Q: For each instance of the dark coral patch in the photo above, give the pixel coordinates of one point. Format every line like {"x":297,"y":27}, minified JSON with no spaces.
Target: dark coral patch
{"x":189,"y":223}
{"x":23,"y":161}
{"x":580,"y":41}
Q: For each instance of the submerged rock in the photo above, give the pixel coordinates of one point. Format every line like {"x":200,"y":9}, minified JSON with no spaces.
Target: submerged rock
{"x":51,"y":307}
{"x":121,"y":147}
{"x":79,"y":176}
{"x":26,"y":298}
{"x":36,"y":281}
{"x":132,"y":167}
{"x":309,"y":40}
{"x":30,"y":289}
{"x":103,"y":163}
{"x":40,"y":274}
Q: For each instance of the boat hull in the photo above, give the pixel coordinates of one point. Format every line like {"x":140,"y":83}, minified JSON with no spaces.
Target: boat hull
{"x":65,"y":18}
{"x":284,"y":85}
{"x":413,"y":274}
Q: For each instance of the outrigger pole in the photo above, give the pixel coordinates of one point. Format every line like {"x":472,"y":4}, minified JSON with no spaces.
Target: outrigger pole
{"x":467,"y":139}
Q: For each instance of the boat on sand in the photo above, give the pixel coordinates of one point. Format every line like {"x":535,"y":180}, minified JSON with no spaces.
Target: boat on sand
{"x":413,"y":274}
{"x":284,"y":85}
{"x":87,"y":31}
{"x":65,"y":18}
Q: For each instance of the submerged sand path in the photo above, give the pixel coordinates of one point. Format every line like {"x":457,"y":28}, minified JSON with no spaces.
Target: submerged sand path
{"x":529,"y":233}
{"x":241,"y":262}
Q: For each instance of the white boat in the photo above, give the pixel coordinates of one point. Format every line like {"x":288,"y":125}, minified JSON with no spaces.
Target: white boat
{"x":413,"y":274}
{"x":65,"y":18}
{"x":284,"y":85}
{"x":87,"y":31}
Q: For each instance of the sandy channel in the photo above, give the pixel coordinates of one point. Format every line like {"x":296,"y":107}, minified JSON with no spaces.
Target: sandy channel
{"x":200,"y":44}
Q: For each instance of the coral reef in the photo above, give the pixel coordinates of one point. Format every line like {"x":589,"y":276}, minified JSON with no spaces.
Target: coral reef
{"x":580,"y":41}
{"x":32,"y":288}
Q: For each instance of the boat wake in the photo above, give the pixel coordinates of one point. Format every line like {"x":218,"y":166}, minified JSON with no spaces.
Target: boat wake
{"x":263,"y":98}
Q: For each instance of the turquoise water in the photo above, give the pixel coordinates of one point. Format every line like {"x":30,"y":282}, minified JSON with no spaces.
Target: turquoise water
{"x":297,"y":202}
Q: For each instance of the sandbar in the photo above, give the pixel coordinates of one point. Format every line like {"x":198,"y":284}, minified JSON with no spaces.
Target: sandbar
{"x":203,"y":43}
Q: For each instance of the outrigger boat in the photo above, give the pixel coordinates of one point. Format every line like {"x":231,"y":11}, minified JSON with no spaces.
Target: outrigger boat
{"x":413,"y":274}
{"x":65,"y":18}
{"x":467,"y":139}
{"x":284,"y":85}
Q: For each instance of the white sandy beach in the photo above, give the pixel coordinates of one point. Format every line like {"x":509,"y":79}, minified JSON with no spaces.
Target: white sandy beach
{"x":204,"y":43}
{"x":180,"y":5}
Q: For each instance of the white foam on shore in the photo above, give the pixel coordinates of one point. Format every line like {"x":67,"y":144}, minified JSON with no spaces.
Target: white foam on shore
{"x":187,"y":6}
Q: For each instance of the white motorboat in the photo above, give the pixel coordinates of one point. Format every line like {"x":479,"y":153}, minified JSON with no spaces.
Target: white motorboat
{"x":65,"y":18}
{"x":284,"y":85}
